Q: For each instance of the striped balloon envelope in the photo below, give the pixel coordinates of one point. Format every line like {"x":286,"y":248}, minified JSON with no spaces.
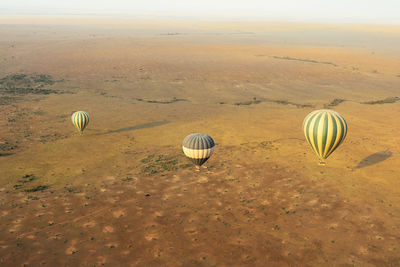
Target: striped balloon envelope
{"x":198,"y":148}
{"x":80,"y":119}
{"x":324,"y":130}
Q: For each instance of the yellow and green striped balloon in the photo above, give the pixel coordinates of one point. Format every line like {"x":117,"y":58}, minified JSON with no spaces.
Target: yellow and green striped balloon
{"x":325,"y":130}
{"x":80,"y":119}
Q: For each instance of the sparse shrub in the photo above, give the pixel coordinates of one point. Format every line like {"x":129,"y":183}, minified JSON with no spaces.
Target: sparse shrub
{"x":159,"y":164}
{"x":334,"y":103}
{"x":382,"y":101}
{"x":37,"y":188}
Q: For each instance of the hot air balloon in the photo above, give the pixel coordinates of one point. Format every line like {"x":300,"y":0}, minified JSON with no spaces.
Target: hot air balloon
{"x":198,"y":148}
{"x":80,"y":119}
{"x":325,"y":130}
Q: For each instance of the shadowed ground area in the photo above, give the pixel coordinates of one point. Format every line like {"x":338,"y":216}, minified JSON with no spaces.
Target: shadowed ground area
{"x":137,"y":127}
{"x":374,"y":159}
{"x":123,"y":193}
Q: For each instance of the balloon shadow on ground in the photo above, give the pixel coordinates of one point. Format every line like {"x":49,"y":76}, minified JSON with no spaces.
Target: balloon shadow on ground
{"x":374,"y":159}
{"x":136,"y":127}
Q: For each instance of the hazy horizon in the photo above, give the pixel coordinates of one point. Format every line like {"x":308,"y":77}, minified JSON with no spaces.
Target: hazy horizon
{"x":371,"y":12}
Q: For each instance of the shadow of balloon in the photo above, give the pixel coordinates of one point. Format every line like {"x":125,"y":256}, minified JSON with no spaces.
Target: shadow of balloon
{"x":374,"y":158}
{"x":137,"y":127}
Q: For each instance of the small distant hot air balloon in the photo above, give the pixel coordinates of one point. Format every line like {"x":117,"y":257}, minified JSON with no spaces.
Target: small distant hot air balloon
{"x":325,"y":130}
{"x":80,"y":119}
{"x":198,"y":148}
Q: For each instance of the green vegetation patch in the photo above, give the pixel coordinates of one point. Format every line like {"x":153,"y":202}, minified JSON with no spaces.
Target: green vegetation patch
{"x":7,"y":146}
{"x":247,"y":103}
{"x":37,"y":188}
{"x":154,"y":164}
{"x":173,"y":100}
{"x":72,"y":189}
{"x":334,"y":103}
{"x":286,"y":211}
{"x":285,"y":102}
{"x":51,"y":137}
{"x":6,"y":100}
{"x":157,"y":164}
{"x":127,"y":179}
{"x":24,"y":84}
{"x":387,"y":100}
{"x":26,"y":179}
{"x":280,"y":102}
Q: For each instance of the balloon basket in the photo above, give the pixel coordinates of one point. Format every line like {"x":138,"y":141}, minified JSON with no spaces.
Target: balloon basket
{"x":197,"y":168}
{"x":322,"y":162}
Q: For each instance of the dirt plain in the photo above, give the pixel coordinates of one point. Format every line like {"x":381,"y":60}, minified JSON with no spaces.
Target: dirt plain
{"x":123,"y":194}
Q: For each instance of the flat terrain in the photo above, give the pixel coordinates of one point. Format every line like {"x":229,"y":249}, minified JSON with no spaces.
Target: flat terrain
{"x":123,"y":193}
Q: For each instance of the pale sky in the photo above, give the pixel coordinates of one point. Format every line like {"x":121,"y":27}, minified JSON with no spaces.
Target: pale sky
{"x":369,"y":11}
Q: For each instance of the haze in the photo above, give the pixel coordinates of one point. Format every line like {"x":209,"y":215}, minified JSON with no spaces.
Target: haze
{"x":122,"y":191}
{"x":357,"y":11}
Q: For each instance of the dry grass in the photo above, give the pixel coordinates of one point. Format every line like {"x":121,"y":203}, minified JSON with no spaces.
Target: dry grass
{"x":124,"y":194}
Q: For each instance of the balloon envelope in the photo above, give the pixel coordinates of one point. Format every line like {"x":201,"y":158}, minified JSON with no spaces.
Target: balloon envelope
{"x":198,"y":148}
{"x":80,"y":120}
{"x":324,"y":130}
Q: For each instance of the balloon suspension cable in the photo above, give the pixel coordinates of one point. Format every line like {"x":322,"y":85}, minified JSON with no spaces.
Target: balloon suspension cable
{"x":322,"y":162}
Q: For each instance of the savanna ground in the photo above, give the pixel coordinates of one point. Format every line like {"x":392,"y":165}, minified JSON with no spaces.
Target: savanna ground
{"x":123,"y":194}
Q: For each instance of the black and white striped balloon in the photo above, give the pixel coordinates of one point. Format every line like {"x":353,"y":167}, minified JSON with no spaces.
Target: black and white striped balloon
{"x":198,"y":148}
